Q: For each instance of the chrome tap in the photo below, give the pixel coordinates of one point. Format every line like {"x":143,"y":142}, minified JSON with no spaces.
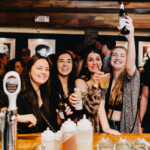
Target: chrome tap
{"x":8,"y":118}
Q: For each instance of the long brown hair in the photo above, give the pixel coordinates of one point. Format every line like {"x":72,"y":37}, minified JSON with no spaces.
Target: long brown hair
{"x":117,"y":90}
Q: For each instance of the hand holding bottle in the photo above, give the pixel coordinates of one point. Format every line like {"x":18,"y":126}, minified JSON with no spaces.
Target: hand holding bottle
{"x":74,"y":99}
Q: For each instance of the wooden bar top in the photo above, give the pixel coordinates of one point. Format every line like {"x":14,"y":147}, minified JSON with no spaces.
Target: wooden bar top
{"x":30,"y":141}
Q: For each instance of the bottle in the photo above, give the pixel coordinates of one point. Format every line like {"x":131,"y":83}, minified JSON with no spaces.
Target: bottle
{"x":78,"y":91}
{"x":68,"y":135}
{"x":48,"y":139}
{"x":84,"y":134}
{"x":58,"y":140}
{"x":122,"y":16}
{"x":61,"y":108}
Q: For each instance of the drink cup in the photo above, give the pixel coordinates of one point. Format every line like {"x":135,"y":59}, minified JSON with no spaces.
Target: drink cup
{"x":78,"y":91}
{"x":104,"y":82}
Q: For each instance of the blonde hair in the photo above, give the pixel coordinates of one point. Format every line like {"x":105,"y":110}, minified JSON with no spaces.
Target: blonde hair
{"x":117,"y":89}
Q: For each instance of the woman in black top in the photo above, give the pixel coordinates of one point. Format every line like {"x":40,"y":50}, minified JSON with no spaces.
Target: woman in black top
{"x":62,"y":78}
{"x":33,"y":101}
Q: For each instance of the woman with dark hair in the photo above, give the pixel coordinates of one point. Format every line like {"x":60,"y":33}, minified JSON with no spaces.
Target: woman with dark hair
{"x":15,"y":65}
{"x":3,"y":63}
{"x":89,"y":84}
{"x":62,"y":78}
{"x":33,"y":101}
{"x":118,"y":108}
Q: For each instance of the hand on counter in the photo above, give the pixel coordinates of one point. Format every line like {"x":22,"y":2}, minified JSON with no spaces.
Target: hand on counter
{"x":112,"y":131}
{"x":29,"y":118}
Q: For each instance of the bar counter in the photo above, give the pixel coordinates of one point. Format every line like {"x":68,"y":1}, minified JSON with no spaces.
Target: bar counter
{"x":30,"y":141}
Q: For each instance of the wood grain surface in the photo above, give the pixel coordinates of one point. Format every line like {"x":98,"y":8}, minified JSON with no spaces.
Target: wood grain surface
{"x":30,"y":141}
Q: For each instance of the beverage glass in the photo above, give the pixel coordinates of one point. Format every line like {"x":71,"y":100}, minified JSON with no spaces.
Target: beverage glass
{"x":78,"y":91}
{"x":104,"y":82}
{"x":141,"y":144}
{"x":105,"y":144}
{"x":123,"y":144}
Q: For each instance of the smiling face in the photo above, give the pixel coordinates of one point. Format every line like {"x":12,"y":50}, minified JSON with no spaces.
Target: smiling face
{"x":94,"y":62}
{"x":64,"y":64}
{"x":118,"y":58}
{"x":18,"y":67}
{"x":39,"y":73}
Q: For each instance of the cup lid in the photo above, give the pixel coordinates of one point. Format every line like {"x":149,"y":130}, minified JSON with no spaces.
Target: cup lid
{"x":68,"y":125}
{"x":58,"y":135}
{"x":48,"y":134}
{"x":84,"y":123}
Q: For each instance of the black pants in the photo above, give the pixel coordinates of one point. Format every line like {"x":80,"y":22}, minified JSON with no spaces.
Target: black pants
{"x":114,"y":125}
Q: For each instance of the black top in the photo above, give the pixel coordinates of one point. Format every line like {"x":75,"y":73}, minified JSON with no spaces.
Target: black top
{"x":26,"y":107}
{"x":146,"y":119}
{"x":117,"y":107}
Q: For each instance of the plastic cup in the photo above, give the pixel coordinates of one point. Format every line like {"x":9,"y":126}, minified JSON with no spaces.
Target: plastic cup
{"x":104,"y":82}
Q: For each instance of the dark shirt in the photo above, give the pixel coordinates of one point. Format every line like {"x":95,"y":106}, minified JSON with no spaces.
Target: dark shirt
{"x":26,"y":107}
{"x":146,"y":120}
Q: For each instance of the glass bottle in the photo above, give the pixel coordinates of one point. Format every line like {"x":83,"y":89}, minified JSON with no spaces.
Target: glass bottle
{"x":122,"y":16}
{"x":47,"y":139}
{"x":69,"y":135}
{"x":84,"y":134}
{"x":61,"y":108}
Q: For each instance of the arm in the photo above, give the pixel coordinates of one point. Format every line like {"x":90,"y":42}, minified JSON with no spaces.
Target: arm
{"x":103,"y":120}
{"x":144,"y":102}
{"x":130,"y":64}
{"x":28,"y":118}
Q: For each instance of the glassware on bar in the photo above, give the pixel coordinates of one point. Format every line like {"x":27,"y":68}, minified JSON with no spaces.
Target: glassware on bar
{"x":123,"y":144}
{"x":141,"y":144}
{"x":105,"y":144}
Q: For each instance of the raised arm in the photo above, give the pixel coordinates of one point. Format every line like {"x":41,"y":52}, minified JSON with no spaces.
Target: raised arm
{"x":131,"y":55}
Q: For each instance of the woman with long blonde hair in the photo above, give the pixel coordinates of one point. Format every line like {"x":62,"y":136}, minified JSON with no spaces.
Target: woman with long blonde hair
{"x":118,"y":107}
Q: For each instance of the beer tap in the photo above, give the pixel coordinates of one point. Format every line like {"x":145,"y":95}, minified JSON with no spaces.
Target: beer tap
{"x":8,"y":118}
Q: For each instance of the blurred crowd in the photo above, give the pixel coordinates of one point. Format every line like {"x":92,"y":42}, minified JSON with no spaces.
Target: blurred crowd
{"x":122,"y":107}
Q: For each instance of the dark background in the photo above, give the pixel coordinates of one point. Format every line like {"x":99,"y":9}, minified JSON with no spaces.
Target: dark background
{"x":63,"y":41}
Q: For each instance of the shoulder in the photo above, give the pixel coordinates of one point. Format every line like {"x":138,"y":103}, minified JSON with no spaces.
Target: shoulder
{"x":80,"y":83}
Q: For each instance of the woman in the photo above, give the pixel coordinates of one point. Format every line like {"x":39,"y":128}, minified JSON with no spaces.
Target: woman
{"x":63,"y":77}
{"x":145,"y":99}
{"x":89,"y":84}
{"x":3,"y":63}
{"x":34,"y":108}
{"x":122,"y":95}
{"x":15,"y":65}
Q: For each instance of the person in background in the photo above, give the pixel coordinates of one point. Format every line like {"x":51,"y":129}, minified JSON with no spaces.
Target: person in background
{"x":89,"y":84}
{"x":118,"y":107}
{"x":51,"y":59}
{"x":107,"y":45}
{"x":98,"y":45}
{"x":25,"y":56}
{"x":145,"y":100}
{"x":62,"y":78}
{"x":42,"y":50}
{"x":3,"y":63}
{"x":15,"y":65}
